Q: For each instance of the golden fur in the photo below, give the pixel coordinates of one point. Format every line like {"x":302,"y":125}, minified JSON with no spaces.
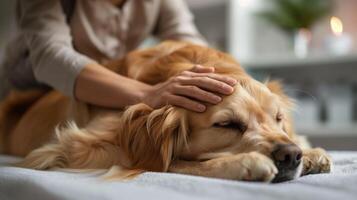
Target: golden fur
{"x":140,"y":138}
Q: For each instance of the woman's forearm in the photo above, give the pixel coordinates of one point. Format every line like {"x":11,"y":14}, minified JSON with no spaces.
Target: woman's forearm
{"x":100,"y":86}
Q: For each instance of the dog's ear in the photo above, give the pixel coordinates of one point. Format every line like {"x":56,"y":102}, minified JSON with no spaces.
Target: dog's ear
{"x":276,"y":88}
{"x":288,"y":105}
{"x":153,"y":137}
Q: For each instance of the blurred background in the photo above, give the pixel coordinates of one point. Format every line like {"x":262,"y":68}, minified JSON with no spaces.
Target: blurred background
{"x":310,"y":45}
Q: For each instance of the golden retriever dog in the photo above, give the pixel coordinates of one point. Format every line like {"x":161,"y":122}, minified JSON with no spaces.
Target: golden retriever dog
{"x":248,"y":136}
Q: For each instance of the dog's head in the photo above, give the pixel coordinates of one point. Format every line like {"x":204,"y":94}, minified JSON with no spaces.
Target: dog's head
{"x":254,"y":118}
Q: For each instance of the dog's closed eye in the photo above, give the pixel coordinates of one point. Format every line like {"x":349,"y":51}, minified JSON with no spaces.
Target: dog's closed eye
{"x":279,"y":117}
{"x":235,"y":125}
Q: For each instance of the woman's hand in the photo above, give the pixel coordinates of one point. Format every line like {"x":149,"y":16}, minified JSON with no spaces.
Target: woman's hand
{"x":189,"y":89}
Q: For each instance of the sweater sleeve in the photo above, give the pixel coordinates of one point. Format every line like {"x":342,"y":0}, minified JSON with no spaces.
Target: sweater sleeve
{"x":176,"y":22}
{"x":47,"y":35}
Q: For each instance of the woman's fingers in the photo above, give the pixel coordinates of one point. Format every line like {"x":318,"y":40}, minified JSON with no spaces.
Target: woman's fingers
{"x":186,"y":103}
{"x":207,"y":83}
{"x":201,"y":69}
{"x":226,"y":79}
{"x":197,"y":93}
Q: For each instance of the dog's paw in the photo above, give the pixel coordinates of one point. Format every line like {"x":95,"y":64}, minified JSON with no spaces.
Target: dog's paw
{"x":316,"y":161}
{"x":256,"y":167}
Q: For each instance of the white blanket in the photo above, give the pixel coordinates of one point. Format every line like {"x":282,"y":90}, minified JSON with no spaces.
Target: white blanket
{"x":16,"y":183}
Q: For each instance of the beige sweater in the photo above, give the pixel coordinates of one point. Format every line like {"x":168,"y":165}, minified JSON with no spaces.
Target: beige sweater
{"x":98,"y":31}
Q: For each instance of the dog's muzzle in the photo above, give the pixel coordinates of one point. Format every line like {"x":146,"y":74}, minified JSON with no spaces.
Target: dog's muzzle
{"x":287,"y":158}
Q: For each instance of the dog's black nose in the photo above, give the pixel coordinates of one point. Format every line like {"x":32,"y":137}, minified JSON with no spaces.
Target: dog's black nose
{"x":287,"y":156}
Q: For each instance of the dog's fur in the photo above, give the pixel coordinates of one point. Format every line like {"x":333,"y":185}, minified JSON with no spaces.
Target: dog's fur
{"x":172,"y":139}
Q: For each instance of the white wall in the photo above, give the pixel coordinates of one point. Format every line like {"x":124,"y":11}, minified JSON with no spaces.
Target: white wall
{"x":251,"y":36}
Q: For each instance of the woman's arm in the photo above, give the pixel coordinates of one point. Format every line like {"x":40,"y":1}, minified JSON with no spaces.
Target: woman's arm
{"x":99,"y":86}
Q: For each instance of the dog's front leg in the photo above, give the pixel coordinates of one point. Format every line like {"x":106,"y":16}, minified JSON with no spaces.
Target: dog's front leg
{"x":316,"y":161}
{"x":246,"y":166}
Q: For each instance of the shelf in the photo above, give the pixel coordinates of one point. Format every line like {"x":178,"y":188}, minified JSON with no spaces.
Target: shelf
{"x":288,"y":62}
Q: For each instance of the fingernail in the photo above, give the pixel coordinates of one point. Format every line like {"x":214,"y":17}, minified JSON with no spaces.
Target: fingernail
{"x":201,"y":108}
{"x":233,"y":81}
{"x":228,"y":89}
{"x":217,"y":99}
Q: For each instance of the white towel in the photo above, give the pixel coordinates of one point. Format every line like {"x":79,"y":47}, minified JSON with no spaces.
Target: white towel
{"x":16,"y":183}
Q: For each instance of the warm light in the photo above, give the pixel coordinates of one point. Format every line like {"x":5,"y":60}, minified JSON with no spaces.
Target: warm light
{"x":336,"y":25}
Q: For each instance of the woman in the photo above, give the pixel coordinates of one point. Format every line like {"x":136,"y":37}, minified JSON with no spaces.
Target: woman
{"x":62,"y":43}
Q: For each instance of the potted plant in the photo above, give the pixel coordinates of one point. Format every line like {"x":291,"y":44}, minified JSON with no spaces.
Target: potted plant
{"x":296,"y":18}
